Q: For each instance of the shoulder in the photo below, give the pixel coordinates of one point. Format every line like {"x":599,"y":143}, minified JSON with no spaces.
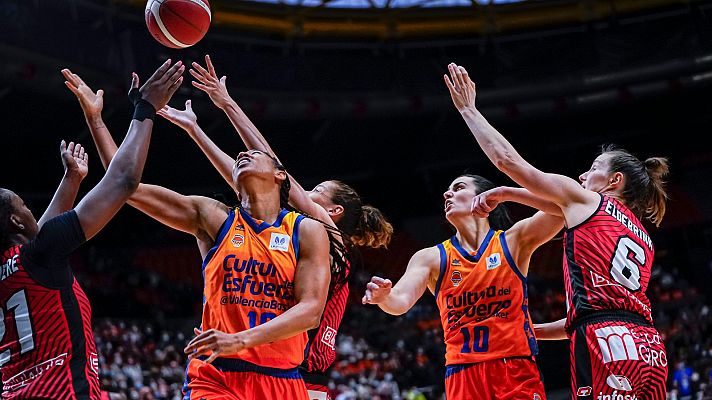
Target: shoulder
{"x":429,"y":256}
{"x":311,"y":229}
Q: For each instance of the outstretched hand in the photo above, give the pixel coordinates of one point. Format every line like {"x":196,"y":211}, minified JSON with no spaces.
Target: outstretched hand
{"x":185,"y":119}
{"x":377,"y":290}
{"x":462,"y":90}
{"x":208,"y":82}
{"x":161,"y":86}
{"x":74,"y":159}
{"x":91,"y":103}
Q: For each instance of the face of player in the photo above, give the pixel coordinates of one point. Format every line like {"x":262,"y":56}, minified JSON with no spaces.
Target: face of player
{"x":597,"y":177}
{"x":253,"y":163}
{"x":458,"y":197}
{"x":22,"y":218}
{"x":322,"y":195}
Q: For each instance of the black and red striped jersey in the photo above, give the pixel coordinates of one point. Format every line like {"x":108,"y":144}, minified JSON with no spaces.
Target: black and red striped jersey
{"x":608,"y":259}
{"x":47,"y":349}
{"x":321,"y":352}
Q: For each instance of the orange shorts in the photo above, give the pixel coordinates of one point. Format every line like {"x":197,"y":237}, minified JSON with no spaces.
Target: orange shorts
{"x":510,"y":378}
{"x":234,"y":379}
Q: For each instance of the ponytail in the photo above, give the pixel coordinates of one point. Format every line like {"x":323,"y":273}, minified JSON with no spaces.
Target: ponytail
{"x":373,"y":230}
{"x":657,"y":168}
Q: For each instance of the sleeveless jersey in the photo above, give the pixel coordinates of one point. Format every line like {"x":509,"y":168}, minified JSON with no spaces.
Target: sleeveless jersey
{"x":321,"y":353}
{"x":483,"y":303}
{"x":608,"y":259}
{"x":249,"y":280}
{"x":47,"y":348}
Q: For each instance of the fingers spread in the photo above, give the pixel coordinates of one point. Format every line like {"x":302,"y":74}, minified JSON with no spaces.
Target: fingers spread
{"x":209,"y":64}
{"x":160,"y":71}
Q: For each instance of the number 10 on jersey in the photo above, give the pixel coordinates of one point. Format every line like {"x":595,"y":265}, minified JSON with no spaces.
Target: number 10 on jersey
{"x":477,"y":342}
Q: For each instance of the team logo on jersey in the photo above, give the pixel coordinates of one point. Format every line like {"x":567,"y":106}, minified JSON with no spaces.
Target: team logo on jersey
{"x":619,"y":382}
{"x":238,"y":240}
{"x":279,"y":241}
{"x":584,"y":391}
{"x":616,"y":343}
{"x":455,"y":262}
{"x":456,"y":278}
{"x":239,"y":227}
{"x":494,"y":261}
{"x":329,"y":337}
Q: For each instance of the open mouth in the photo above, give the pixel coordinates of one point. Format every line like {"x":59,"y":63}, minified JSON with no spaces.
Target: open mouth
{"x":448,"y":205}
{"x":242,"y":162}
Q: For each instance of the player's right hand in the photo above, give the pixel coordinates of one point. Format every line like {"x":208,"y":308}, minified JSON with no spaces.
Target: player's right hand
{"x":206,"y":79}
{"x":185,"y":119}
{"x":161,"y":86}
{"x":377,"y":290}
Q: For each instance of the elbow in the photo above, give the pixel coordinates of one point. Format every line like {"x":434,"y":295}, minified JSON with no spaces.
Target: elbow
{"x":313,"y":319}
{"x":128,"y":184}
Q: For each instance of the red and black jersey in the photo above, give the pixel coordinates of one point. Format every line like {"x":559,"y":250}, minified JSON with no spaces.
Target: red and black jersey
{"x":47,"y":350}
{"x":607,"y":263}
{"x":321,"y":352}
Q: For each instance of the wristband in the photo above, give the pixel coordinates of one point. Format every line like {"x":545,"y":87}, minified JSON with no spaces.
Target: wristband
{"x":142,"y":108}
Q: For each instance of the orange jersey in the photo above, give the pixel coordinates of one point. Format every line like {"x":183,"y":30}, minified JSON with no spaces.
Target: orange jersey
{"x":249,"y":280}
{"x":483,"y":303}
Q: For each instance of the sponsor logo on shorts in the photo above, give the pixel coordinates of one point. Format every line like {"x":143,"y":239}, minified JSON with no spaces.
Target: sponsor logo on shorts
{"x":616,"y":343}
{"x":584,"y":391}
{"x":494,"y":261}
{"x":619,"y":382}
{"x":616,"y":396}
{"x":456,"y":278}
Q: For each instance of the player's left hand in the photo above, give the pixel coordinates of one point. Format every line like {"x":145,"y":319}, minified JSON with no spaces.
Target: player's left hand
{"x":213,"y":343}
{"x":462,"y":89}
{"x":91,"y":103}
{"x":74,"y":159}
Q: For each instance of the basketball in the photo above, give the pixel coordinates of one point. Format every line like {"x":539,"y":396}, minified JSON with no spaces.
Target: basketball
{"x":178,"y":23}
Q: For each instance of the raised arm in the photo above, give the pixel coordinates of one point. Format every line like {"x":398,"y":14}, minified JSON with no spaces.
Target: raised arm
{"x":124,"y":173}
{"x":208,"y":81}
{"x":559,"y":189}
{"x":311,"y":284}
{"x":422,"y":271}
{"x":190,"y":214}
{"x":76,"y":167}
{"x":188,"y":121}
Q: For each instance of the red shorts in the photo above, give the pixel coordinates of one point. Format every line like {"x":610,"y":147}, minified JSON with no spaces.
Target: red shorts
{"x":233,"y":379}
{"x":510,"y":378}
{"x":618,"y":360}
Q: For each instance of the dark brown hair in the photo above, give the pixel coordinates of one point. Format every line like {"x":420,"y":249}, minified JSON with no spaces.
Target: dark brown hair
{"x":5,"y":210}
{"x":364,"y":224}
{"x":499,"y":218}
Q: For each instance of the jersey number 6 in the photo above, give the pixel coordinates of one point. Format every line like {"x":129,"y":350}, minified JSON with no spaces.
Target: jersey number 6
{"x":626,"y":263}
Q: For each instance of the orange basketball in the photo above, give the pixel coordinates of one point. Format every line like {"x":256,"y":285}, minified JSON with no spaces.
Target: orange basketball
{"x":178,"y":23}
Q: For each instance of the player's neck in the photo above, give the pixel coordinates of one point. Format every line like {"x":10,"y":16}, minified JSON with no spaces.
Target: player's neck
{"x":262,"y":206}
{"x":471,"y":232}
{"x":17,"y":239}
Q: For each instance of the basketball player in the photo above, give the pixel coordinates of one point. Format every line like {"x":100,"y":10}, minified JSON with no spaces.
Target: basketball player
{"x":47,"y":349}
{"x":608,"y":255}
{"x":478,"y":278}
{"x":332,"y":202}
{"x":265,"y":273}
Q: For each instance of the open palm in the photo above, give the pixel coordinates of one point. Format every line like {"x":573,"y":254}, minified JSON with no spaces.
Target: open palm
{"x":185,"y":119}
{"x":74,"y":159}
